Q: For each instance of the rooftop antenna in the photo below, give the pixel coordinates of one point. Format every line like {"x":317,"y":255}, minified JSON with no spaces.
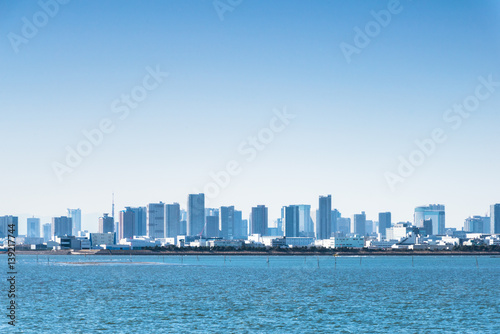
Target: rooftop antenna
{"x":113,"y":206}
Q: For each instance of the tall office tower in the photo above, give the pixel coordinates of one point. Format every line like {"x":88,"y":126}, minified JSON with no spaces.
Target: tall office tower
{"x":172,"y":220}
{"x":343,"y":226}
{"x":76,"y":218}
{"x":238,"y":232}
{"x":370,"y":227}
{"x":279,"y":226}
{"x":140,"y":220}
{"x":306,"y":226}
{"x":106,"y":224}
{"x":127,"y":220}
{"x":436,"y":213}
{"x":384,"y":222}
{"x":155,"y":227}
{"x":211,"y":229}
{"x":33,"y":228}
{"x":259,"y":220}
{"x":61,"y":226}
{"x":117,"y":227}
{"x":291,"y":221}
{"x":245,"y":227}
{"x":227,"y":225}
{"x":324,"y":218}
{"x":184,"y":215}
{"x":335,"y":217}
{"x":183,"y":227}
{"x":5,"y":221}
{"x":495,"y":219}
{"x":195,"y":214}
{"x":359,"y":223}
{"x":47,"y":234}
{"x":476,"y":224}
{"x":428,"y":226}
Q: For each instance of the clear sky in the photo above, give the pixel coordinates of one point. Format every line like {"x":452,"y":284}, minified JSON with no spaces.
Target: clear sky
{"x":226,"y":77}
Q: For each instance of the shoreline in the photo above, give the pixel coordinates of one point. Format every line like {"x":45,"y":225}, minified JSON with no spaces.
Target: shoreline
{"x":104,"y":252}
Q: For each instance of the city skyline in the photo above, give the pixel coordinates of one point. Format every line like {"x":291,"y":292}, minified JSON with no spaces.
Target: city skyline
{"x":161,"y":211}
{"x":354,"y":118}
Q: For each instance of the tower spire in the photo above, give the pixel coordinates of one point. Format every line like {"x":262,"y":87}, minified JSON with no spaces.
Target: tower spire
{"x":113,"y":206}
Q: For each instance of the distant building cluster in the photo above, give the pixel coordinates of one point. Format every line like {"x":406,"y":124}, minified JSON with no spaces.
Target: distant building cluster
{"x":161,"y":224}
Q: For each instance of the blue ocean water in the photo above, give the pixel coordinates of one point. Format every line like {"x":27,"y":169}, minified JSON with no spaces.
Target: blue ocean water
{"x":247,"y":294}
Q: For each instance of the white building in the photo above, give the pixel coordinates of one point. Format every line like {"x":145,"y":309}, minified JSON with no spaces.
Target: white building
{"x":341,"y":242}
{"x":139,"y":242}
{"x":98,"y":239}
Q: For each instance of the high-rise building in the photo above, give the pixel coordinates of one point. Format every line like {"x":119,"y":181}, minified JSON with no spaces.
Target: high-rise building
{"x":211,"y":229}
{"x":477,"y":224}
{"x":384,"y":222}
{"x":183,"y":223}
{"x":245,"y":227}
{"x":306,"y":225}
{"x":335,"y":217}
{"x":47,"y":234}
{"x":324,"y":218}
{"x":239,"y":231}
{"x":33,"y":228}
{"x":9,"y":223}
{"x":259,"y":220}
{"x":140,"y":220}
{"x":155,"y":227}
{"x":427,"y":226}
{"x":359,"y":224}
{"x":106,"y":224}
{"x":436,"y":213}
{"x":127,"y":220}
{"x":76,"y":218}
{"x":343,"y":226}
{"x":227,"y":222}
{"x":61,"y":226}
{"x":195,"y":214}
{"x":370,"y":227}
{"x":183,"y":227}
{"x":172,"y":220}
{"x":495,"y":219}
{"x":291,"y":221}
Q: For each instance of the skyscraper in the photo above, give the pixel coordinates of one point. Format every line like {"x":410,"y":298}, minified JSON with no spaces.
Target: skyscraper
{"x":227,"y":222}
{"x":211,"y":229}
{"x":324,"y":218}
{"x":33,"y":228}
{"x":172,"y":220}
{"x":495,"y":219}
{"x":195,"y":214}
{"x":106,"y":224}
{"x":436,"y":213}
{"x":343,"y":226}
{"x":244,"y":228}
{"x":155,"y":227}
{"x":306,"y":226}
{"x":47,"y":234}
{"x":76,"y":218}
{"x":259,"y":220}
{"x":61,"y":226}
{"x":359,"y":224}
{"x":291,"y":221}
{"x":335,"y":217}
{"x":239,"y":230}
{"x":140,"y":220}
{"x":5,"y":221}
{"x":127,"y":220}
{"x":384,"y":222}
{"x":477,"y":224}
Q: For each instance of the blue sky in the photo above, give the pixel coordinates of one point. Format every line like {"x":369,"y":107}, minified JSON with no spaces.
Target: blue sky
{"x":352,"y":120}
